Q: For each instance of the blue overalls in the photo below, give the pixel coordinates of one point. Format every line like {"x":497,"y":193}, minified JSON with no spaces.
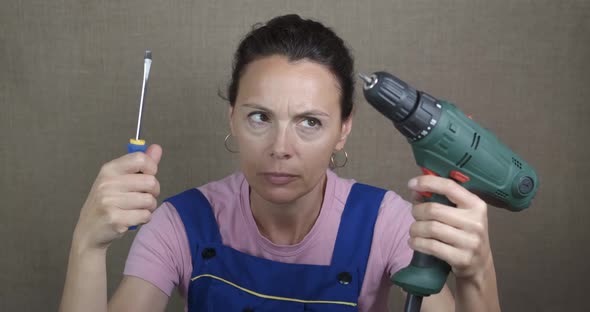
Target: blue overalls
{"x":227,"y":280}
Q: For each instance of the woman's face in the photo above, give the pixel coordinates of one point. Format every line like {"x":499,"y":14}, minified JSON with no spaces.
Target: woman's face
{"x":287,"y":123}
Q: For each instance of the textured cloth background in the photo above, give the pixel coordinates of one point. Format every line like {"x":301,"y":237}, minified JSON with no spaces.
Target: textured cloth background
{"x":70,"y":77}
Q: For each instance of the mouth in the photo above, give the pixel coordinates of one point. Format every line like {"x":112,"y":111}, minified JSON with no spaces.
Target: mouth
{"x":278,"y":178}
{"x":279,"y":174}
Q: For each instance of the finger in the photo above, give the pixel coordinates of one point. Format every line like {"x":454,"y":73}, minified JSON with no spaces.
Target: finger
{"x":127,"y":218}
{"x":444,"y":233}
{"x":135,"y":201}
{"x":453,"y":256}
{"x":453,"y":191}
{"x":139,"y":183}
{"x":155,"y":152}
{"x":137,"y":162}
{"x":432,"y":211}
{"x":417,"y":198}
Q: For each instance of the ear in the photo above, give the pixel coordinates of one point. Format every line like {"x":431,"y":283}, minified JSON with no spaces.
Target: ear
{"x":230,"y":113}
{"x":344,"y":132}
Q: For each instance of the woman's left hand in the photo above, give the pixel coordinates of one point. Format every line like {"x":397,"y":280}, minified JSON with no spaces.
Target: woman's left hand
{"x":459,"y":236}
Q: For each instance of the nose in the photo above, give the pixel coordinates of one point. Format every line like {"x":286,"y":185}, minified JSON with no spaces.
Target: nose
{"x":280,"y":148}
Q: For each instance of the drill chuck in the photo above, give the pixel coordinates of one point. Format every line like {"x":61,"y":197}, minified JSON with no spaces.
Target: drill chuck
{"x":413,"y":113}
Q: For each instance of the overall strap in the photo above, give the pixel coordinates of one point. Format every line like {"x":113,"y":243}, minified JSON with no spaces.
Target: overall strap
{"x":355,"y":233}
{"x":196,"y":214}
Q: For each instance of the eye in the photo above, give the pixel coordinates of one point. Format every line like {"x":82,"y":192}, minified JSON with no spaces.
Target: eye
{"x":258,"y":117}
{"x":311,"y":123}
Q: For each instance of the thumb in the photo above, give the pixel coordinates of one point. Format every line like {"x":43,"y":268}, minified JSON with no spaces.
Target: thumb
{"x":155,"y":152}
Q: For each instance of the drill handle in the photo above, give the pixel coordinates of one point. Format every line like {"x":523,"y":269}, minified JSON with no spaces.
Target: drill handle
{"x":426,"y":274}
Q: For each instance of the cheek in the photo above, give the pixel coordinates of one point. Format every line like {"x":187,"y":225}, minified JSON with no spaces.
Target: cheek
{"x":252,"y":151}
{"x":315,"y":157}
{"x":318,"y":149}
{"x":251,"y":146}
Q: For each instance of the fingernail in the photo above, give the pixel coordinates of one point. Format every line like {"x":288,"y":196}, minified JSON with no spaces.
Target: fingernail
{"x":412,"y":183}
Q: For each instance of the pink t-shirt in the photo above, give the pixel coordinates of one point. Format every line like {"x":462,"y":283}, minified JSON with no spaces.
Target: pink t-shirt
{"x":160,"y":253}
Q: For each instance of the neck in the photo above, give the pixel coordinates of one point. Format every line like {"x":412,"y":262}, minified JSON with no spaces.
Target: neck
{"x":288,"y":223}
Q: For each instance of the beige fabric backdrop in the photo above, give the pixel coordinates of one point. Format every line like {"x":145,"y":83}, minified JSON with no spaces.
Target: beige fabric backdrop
{"x":69,"y":86}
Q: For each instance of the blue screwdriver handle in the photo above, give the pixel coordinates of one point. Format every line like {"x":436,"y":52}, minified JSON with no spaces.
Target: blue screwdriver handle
{"x":136,"y":146}
{"x":132,"y":147}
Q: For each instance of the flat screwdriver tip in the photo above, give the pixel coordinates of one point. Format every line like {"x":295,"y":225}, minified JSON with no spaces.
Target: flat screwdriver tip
{"x":366,"y":79}
{"x":148,"y":55}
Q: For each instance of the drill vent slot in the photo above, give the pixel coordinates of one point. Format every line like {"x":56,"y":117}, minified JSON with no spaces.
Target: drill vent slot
{"x":501,"y":194}
{"x":464,"y":160}
{"x":517,"y":163}
{"x":475,"y":141}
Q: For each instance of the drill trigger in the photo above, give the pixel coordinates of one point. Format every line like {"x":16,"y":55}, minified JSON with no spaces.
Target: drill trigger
{"x":459,"y":177}
{"x":425,"y":194}
{"x":427,"y":171}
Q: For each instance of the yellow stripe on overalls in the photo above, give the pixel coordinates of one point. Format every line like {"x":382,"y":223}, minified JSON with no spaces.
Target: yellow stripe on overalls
{"x":352,"y":304}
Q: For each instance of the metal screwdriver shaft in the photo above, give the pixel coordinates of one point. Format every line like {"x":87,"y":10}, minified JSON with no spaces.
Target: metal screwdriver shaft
{"x":147,"y":64}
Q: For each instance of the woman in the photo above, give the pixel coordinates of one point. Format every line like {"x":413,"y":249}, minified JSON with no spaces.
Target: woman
{"x":284,"y":233}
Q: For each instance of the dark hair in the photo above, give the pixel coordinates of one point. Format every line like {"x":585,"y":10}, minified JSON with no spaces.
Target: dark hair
{"x":297,"y":39}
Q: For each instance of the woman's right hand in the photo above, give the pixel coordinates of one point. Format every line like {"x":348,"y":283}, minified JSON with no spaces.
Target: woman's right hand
{"x":119,"y":198}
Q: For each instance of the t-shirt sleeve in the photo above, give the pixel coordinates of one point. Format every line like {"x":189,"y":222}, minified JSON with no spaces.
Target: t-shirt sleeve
{"x":160,"y":251}
{"x":393,"y":228}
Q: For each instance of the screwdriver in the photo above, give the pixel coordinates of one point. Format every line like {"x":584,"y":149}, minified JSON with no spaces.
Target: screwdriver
{"x":136,"y":144}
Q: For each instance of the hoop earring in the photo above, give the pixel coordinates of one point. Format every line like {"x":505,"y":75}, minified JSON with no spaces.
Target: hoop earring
{"x":225,"y":144}
{"x":333,"y":162}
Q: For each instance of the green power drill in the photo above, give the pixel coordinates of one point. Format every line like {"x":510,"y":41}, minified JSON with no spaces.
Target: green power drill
{"x":449,"y":144}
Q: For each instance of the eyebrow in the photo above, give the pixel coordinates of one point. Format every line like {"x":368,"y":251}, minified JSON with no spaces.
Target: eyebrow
{"x":311,"y":112}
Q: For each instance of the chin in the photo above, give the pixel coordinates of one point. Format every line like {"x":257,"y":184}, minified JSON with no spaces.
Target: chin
{"x":277,"y":194}
{"x":282,"y":195}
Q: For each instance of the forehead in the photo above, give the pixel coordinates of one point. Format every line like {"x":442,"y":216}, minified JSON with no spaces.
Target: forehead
{"x":275,"y":81}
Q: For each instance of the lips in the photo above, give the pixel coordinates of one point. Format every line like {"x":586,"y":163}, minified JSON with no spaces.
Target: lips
{"x":278,"y":178}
